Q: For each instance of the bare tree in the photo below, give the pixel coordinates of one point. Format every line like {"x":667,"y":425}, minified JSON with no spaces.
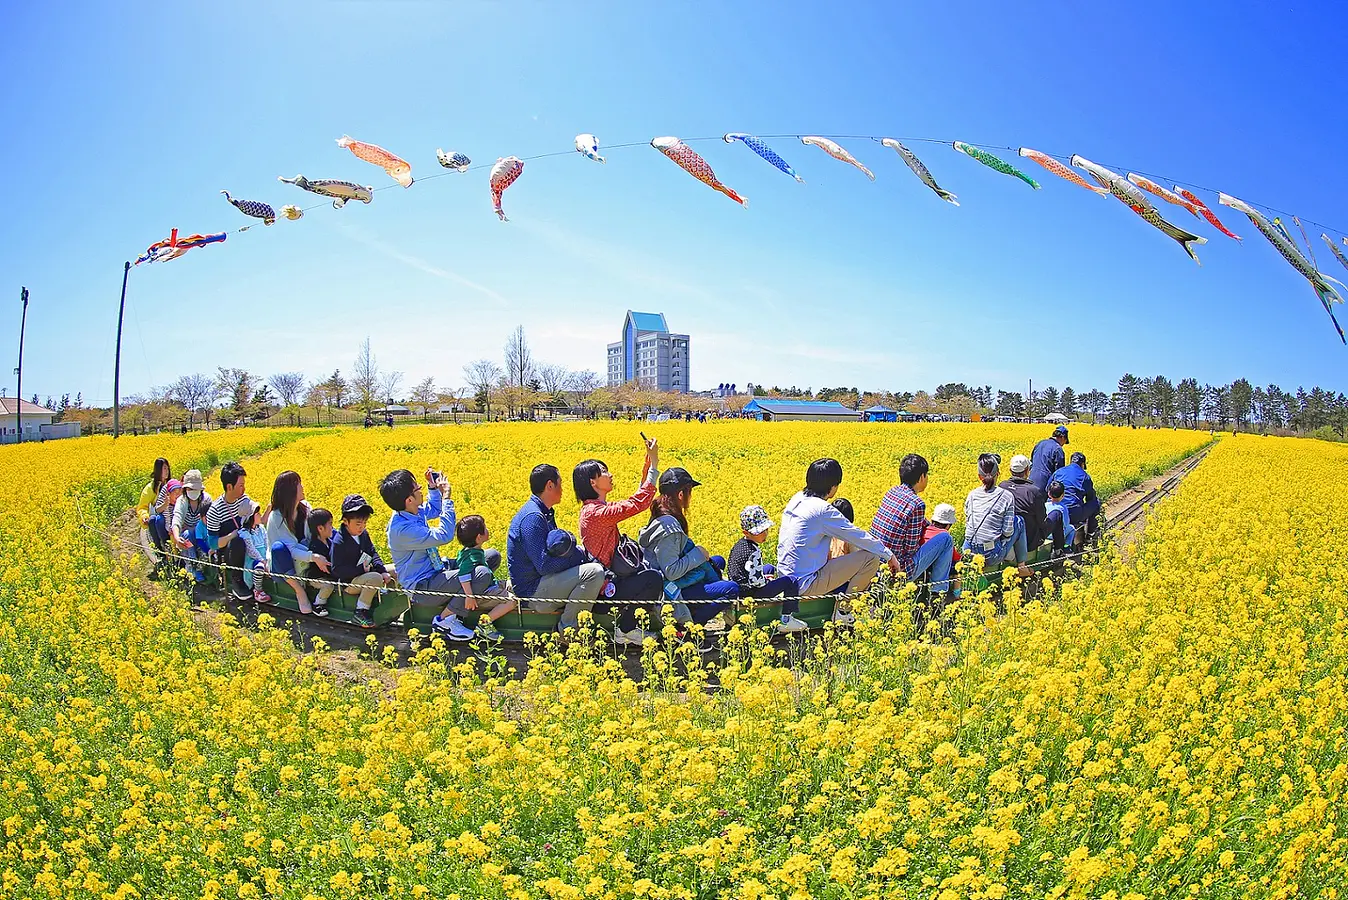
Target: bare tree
{"x":388,"y":385}
{"x":553,"y":378}
{"x":424,"y":393}
{"x":195,"y":392}
{"x":365,"y":378}
{"x":582,"y":382}
{"x":288,"y":386}
{"x":519,"y":359}
{"x":481,"y":376}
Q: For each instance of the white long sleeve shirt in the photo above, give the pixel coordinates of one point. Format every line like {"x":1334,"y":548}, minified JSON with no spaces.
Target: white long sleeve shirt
{"x":809,"y":525}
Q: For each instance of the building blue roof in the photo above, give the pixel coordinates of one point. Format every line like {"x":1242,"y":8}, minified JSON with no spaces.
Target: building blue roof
{"x":799,"y":407}
{"x":648,"y":321}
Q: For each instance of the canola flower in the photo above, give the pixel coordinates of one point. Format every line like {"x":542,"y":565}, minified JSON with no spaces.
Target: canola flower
{"x":1171,"y":725}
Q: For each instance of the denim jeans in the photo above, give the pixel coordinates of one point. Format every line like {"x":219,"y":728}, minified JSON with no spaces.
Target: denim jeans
{"x":783,"y":586}
{"x":1006,"y":548}
{"x":702,"y":613}
{"x":935,"y":557}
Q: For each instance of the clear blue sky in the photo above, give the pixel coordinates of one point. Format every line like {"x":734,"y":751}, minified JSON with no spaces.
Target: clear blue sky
{"x":123,"y":122}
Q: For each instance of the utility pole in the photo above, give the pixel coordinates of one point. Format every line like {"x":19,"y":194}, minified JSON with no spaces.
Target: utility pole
{"x":1029,"y":400}
{"x":18,"y":395}
{"x":117,"y":363}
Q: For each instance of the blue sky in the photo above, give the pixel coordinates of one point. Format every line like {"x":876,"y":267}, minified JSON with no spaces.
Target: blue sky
{"x":124,"y":122}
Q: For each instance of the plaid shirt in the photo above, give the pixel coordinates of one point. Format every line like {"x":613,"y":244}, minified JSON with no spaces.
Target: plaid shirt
{"x":899,"y":524}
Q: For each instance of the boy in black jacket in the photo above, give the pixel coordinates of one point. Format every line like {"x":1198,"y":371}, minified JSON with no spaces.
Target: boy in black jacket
{"x":355,"y":563}
{"x":319,"y":522}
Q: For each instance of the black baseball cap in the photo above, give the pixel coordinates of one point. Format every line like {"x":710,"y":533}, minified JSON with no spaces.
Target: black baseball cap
{"x":676,"y":479}
{"x":1061,"y":430}
{"x":354,"y":505}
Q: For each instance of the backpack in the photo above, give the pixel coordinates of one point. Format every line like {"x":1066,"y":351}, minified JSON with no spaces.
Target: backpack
{"x":628,"y":559}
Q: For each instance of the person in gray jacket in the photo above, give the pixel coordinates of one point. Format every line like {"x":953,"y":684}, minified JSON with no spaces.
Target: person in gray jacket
{"x":991,"y":526}
{"x":690,"y":572}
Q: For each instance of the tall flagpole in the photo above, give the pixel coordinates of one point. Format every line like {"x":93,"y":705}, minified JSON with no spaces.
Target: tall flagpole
{"x":117,"y":364}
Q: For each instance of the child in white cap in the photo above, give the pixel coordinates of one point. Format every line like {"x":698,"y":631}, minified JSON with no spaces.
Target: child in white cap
{"x":942,"y":518}
{"x":745,"y":567}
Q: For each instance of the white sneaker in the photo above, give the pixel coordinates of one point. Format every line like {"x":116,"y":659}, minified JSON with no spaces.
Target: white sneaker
{"x":452,"y":628}
{"x":791,"y":624}
{"x":840,"y":617}
{"x":721,"y":622}
{"x":634,"y":638}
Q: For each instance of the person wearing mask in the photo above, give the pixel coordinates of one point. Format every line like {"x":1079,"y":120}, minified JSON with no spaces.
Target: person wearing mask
{"x":1047,"y":458}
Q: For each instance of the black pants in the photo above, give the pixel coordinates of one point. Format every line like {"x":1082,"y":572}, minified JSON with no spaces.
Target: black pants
{"x":233,"y":555}
{"x":645,"y":585}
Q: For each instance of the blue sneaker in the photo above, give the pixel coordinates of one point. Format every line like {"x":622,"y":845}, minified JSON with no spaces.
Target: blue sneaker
{"x":450,"y":627}
{"x":199,"y":575}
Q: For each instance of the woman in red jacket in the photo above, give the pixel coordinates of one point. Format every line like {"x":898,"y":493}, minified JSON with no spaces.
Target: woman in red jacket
{"x":599,"y":520}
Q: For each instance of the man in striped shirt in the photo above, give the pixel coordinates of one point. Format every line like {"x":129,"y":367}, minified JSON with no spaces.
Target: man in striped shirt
{"x":226,"y":518}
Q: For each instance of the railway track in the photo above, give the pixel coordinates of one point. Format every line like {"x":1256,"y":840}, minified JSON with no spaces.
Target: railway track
{"x":1138,"y":508}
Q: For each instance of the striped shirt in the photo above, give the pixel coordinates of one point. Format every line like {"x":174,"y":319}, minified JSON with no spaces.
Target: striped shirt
{"x":161,"y":502}
{"x":185,"y":516}
{"x":225,"y":517}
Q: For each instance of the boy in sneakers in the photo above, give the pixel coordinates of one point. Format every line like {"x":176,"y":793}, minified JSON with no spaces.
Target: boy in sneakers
{"x":319,"y":522}
{"x":355,"y":562}
{"x":493,"y":603}
{"x":414,"y":544}
{"x":745,"y":567}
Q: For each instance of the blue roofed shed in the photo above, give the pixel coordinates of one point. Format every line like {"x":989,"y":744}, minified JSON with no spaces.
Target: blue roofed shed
{"x":772,"y":409}
{"x":880,"y":413}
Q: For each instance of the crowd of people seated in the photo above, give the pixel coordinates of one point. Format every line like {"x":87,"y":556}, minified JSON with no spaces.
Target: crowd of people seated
{"x":1047,"y":498}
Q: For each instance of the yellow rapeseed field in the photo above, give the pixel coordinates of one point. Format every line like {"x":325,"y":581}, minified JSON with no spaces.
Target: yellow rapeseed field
{"x":1169,"y":726}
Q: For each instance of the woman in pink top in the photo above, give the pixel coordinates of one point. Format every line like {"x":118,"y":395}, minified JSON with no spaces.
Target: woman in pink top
{"x":599,"y":535}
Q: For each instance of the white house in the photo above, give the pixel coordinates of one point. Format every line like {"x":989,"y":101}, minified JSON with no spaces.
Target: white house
{"x":35,"y":420}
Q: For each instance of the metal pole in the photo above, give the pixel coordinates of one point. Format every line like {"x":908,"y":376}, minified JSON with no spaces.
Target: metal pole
{"x":18,"y":396}
{"x":117,"y":364}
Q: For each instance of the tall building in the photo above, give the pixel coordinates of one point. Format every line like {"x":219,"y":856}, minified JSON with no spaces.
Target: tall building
{"x":648,"y":353}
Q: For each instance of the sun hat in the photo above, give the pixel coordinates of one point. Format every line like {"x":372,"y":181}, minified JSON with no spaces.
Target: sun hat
{"x":560,"y":542}
{"x":1019,"y":463}
{"x":354,"y":506}
{"x":755,"y":520}
{"x":173,"y":485}
{"x":192,"y":480}
{"x":943,"y":514}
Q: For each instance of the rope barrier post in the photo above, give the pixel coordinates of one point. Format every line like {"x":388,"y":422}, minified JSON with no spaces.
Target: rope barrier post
{"x":117,"y":360}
